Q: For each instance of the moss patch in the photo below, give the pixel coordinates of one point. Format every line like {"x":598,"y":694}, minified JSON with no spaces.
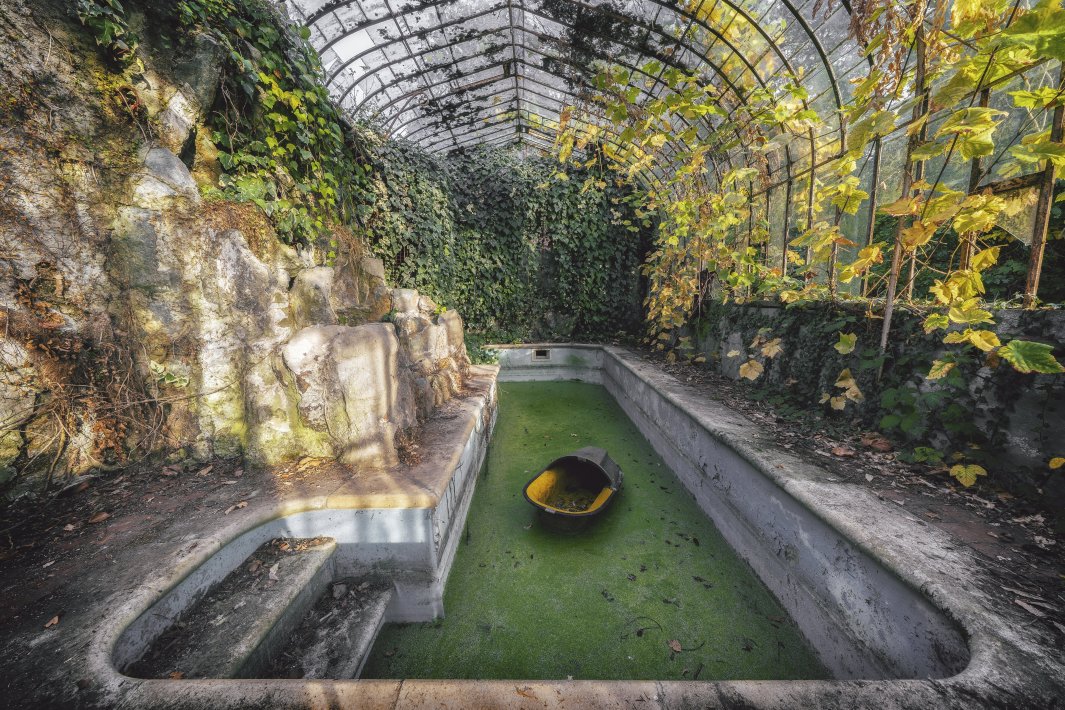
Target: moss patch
{"x":525,"y":602}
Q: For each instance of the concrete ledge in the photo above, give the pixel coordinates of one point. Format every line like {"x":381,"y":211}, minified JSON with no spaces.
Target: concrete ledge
{"x":878,"y":595}
{"x":925,"y":581}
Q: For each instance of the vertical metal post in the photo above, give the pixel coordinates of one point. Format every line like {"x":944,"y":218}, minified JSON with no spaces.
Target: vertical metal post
{"x":1042,"y":207}
{"x":910,"y":175}
{"x":810,"y":209}
{"x":968,"y":245}
{"x":787,"y":223}
{"x":766,"y":257}
{"x":874,"y":193}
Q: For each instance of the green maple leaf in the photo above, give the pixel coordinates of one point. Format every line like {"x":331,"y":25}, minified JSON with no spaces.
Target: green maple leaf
{"x":1028,"y":356}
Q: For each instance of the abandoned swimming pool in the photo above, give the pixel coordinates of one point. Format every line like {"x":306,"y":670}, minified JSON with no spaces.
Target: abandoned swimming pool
{"x":874,"y":594}
{"x":649,"y":590}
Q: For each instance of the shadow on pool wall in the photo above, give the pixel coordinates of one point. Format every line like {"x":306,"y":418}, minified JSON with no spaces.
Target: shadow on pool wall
{"x":863,"y":620}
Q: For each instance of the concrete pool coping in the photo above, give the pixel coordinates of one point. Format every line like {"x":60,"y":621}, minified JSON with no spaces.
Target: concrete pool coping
{"x":1010,"y":665}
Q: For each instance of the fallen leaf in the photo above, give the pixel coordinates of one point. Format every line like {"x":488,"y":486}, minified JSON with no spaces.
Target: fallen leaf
{"x":54,"y":621}
{"x":236,"y":506}
{"x":70,"y":527}
{"x":876,"y":442}
{"x":255,"y":566}
{"x":273,"y":573}
{"x":99,"y":517}
{"x":752,"y":370}
{"x":238,"y":473}
{"x":843,"y":451}
{"x":526,"y":692}
{"x":176,"y":675}
{"x":170,"y":472}
{"x":675,"y":646}
{"x":46,"y":565}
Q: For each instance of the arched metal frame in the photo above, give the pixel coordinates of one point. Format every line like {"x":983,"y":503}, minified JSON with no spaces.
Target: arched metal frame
{"x":450,"y":74}
{"x":412,"y":62}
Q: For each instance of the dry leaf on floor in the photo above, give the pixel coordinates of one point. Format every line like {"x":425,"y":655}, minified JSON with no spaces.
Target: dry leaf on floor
{"x":675,"y":646}
{"x":876,"y":442}
{"x":236,"y":506}
{"x":273,"y":572}
{"x":843,"y":451}
{"x":255,"y":566}
{"x":70,"y":527}
{"x":54,"y":621}
{"x":99,"y":517}
{"x":526,"y":692}
{"x":176,"y":675}
{"x":205,"y":471}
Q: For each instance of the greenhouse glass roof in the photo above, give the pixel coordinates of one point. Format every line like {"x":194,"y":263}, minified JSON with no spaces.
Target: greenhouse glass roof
{"x":451,"y":73}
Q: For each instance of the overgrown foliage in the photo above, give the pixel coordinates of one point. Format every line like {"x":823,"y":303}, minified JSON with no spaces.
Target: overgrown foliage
{"x":283,"y":143}
{"x":926,"y":74}
{"x":520,"y":255}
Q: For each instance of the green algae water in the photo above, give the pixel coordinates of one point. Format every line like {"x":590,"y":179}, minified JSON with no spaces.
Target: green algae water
{"x":613,"y":601}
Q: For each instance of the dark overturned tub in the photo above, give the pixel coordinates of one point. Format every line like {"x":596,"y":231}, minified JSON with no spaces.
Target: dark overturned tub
{"x":578,"y":485}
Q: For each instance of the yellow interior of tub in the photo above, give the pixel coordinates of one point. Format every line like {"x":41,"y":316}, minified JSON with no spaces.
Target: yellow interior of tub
{"x":561,"y":491}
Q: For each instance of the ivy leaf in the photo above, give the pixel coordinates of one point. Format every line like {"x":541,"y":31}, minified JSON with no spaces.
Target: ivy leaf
{"x":940,"y":369}
{"x":918,"y":234}
{"x":967,"y":473}
{"x":845,"y":380}
{"x":1027,"y":356}
{"x":772,"y":348}
{"x":985,"y":340}
{"x":986,"y":258}
{"x":969,"y":313}
{"x":752,"y":370}
{"x":936,"y":321}
{"x":846,"y":343}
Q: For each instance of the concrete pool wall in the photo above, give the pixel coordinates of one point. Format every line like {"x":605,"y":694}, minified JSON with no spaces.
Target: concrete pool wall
{"x":878,"y":594}
{"x":863,"y":621}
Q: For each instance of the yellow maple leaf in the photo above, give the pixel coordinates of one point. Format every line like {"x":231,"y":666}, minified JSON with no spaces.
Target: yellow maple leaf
{"x":967,"y":473}
{"x":772,"y":348}
{"x":940,"y":369}
{"x":752,"y":370}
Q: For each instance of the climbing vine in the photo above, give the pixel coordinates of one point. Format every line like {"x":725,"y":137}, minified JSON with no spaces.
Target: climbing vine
{"x":927,"y":71}
{"x":283,"y":143}
{"x":519,"y":254}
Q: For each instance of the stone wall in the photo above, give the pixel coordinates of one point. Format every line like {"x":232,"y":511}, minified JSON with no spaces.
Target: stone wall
{"x":1013,"y":423}
{"x":139,"y":316}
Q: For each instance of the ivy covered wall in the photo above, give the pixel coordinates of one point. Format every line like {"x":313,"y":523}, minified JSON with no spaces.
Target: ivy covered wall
{"x":523,"y":252}
{"x":823,"y":358}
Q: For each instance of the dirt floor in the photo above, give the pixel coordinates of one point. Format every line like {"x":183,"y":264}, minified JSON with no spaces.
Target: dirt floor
{"x":58,"y":550}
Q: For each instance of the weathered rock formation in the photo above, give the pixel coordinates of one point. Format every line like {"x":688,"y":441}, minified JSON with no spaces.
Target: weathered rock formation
{"x":139,"y":316}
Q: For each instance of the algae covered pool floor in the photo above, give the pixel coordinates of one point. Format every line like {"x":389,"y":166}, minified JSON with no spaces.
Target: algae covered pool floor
{"x":650,"y":590}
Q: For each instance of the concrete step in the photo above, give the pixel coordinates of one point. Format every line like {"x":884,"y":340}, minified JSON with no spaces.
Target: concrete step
{"x":336,"y":635}
{"x":235,"y":630}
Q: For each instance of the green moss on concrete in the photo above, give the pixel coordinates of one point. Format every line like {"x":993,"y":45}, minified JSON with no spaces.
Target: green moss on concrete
{"x":525,"y":602}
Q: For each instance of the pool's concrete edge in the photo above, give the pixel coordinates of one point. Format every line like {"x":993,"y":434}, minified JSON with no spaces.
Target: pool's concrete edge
{"x":1010,"y":666}
{"x":1010,"y":663}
